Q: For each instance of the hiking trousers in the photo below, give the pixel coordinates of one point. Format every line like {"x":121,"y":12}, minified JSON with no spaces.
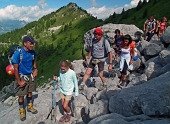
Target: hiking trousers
{"x":150,"y":35}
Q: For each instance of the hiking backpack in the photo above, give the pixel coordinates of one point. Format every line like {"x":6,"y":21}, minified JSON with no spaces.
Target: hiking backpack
{"x":151,"y":25}
{"x":12,"y":49}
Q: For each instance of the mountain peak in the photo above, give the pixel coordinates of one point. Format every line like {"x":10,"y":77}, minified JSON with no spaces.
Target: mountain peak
{"x":73,"y":5}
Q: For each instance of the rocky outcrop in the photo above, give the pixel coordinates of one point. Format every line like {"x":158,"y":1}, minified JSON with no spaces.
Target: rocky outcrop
{"x":145,"y":99}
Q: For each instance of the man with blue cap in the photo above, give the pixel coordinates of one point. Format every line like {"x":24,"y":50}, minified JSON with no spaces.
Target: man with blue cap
{"x":25,"y":69}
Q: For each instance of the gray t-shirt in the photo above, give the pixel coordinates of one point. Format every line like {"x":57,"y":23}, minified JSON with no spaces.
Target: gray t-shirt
{"x":98,"y":50}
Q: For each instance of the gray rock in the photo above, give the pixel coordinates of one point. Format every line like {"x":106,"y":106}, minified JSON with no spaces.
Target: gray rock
{"x":166,"y":37}
{"x":152,"y":70}
{"x":89,"y":92}
{"x":152,"y":50}
{"x":151,"y":98}
{"x":135,"y":79}
{"x":164,"y":57}
{"x":97,"y":109}
{"x":141,"y":46}
{"x":119,"y":119}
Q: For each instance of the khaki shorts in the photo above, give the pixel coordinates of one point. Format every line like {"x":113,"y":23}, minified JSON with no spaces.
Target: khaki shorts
{"x":66,"y":97}
{"x":100,"y":65}
{"x":30,"y":87}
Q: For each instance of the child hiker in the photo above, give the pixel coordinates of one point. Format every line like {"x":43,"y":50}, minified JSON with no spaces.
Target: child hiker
{"x":68,"y":81}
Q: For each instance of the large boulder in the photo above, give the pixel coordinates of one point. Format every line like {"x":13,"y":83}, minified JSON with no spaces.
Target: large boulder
{"x":151,"y":98}
{"x":114,"y":118}
{"x":151,"y":50}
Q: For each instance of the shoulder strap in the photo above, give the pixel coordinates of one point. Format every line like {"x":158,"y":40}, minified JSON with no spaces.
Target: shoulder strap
{"x":104,"y":45}
{"x":20,"y":55}
{"x":33,"y":56}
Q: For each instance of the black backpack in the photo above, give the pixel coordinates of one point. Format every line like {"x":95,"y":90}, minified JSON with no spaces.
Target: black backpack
{"x":12,"y":49}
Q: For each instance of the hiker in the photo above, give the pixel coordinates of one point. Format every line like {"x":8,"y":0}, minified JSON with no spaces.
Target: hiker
{"x":68,"y":81}
{"x":146,"y":26}
{"x":118,"y":38}
{"x":25,"y":71}
{"x":151,"y":27}
{"x":126,"y":58}
{"x":162,"y":27}
{"x":99,"y":51}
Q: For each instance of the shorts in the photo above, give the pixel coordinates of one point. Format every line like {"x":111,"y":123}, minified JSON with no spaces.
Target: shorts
{"x":100,"y":65}
{"x":29,"y":87}
{"x":66,"y":97}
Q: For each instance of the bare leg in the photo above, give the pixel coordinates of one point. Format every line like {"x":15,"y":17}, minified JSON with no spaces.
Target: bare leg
{"x":65,"y":106}
{"x":102,"y":77}
{"x":21,"y":99}
{"x":87,"y":74}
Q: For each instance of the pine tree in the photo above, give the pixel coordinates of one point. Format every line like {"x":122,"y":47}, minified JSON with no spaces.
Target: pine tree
{"x":145,"y":13}
{"x":139,"y":6}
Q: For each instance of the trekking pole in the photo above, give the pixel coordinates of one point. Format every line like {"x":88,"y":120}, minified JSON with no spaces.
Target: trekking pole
{"x":53,"y":99}
{"x":84,"y":58}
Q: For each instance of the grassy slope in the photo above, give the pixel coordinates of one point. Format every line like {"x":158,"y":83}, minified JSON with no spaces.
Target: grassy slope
{"x":72,"y":38}
{"x":158,"y":9}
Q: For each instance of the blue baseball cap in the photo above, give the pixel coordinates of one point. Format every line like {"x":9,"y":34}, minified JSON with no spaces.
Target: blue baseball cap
{"x":29,"y":38}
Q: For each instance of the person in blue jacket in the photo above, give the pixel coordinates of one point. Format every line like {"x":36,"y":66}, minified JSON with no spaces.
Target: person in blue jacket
{"x":25,"y":69}
{"x":68,"y":83}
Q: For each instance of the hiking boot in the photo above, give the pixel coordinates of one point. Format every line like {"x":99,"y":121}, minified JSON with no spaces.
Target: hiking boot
{"x":104,"y":87}
{"x":68,"y":117}
{"x":123,"y":83}
{"x":22,"y":114}
{"x":31,"y":109}
{"x":81,"y":86}
{"x":63,"y":118}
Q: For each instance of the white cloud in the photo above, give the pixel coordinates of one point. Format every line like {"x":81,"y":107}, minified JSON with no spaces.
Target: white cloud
{"x":103,"y":12}
{"x":93,"y":3}
{"x":42,"y":3}
{"x":132,"y":4}
{"x":29,"y":13}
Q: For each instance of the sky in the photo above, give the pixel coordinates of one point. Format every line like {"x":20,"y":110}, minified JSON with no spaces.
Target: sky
{"x":32,"y":10}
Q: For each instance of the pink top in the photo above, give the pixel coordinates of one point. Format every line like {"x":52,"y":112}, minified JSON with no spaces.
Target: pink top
{"x":162,"y":26}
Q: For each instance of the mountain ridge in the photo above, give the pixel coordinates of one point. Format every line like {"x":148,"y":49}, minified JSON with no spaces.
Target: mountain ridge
{"x":10,"y":25}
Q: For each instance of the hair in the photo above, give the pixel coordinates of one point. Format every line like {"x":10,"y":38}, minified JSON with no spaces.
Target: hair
{"x":117,"y":30}
{"x":128,"y":37}
{"x":66,"y":63}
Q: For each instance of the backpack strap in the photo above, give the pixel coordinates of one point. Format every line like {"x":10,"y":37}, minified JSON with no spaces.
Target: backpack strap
{"x":104,"y":45}
{"x":20,"y":55}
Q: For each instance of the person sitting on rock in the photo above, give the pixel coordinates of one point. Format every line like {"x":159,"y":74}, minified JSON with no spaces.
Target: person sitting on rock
{"x":99,"y":51}
{"x":68,"y":81}
{"x":126,"y":58}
